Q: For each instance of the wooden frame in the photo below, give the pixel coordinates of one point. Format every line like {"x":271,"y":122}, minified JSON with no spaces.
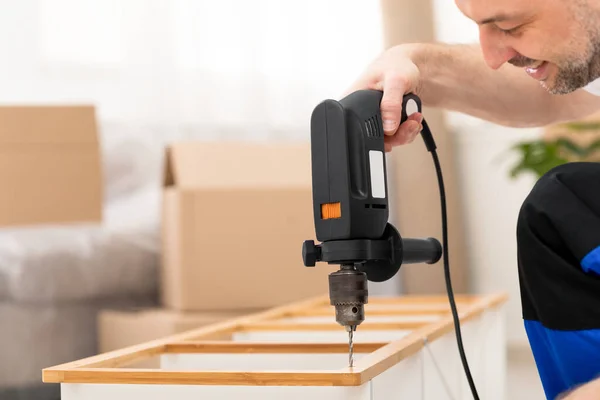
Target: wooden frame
{"x":376,"y":357}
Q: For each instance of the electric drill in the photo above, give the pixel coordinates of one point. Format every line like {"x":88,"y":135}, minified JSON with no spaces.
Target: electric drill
{"x":350,"y":203}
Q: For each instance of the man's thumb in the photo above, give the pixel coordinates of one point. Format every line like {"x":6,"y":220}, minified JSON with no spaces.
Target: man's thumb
{"x":391,"y":104}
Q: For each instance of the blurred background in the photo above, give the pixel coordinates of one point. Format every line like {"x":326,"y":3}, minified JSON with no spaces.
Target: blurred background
{"x":135,"y":136}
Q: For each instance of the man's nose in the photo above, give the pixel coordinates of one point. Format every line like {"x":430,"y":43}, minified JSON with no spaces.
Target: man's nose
{"x":495,"y":51}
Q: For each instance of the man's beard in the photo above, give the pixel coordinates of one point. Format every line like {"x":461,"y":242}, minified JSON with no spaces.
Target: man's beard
{"x":571,"y":75}
{"x":577,"y":73}
{"x":580,"y":68}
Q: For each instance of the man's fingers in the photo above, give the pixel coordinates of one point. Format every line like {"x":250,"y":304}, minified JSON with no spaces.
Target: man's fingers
{"x":405,"y":134}
{"x":415,"y":134}
{"x":417,"y":117}
{"x":414,"y":129}
{"x":409,"y":128}
{"x":394,"y":88}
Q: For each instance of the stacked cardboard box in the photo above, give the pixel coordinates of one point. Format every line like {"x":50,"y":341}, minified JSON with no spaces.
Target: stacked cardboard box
{"x":234,"y":218}
{"x":51,"y":178}
{"x":50,"y":168}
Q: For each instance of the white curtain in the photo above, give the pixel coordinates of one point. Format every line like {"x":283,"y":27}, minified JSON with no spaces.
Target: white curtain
{"x":163,"y":70}
{"x":218,"y":69}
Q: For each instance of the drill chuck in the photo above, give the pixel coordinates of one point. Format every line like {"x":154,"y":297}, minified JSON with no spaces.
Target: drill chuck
{"x":348,"y":293}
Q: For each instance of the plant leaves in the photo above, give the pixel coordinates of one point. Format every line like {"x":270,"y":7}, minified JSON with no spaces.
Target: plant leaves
{"x":566,"y":144}
{"x":582,"y":126}
{"x":540,"y":156}
{"x":537,"y":157}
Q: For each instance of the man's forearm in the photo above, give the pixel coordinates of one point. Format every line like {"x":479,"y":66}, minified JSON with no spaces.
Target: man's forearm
{"x":587,"y":391}
{"x":456,"y":77}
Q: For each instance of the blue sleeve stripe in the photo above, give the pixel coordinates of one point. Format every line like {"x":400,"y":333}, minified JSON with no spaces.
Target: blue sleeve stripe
{"x":591,"y":262}
{"x":564,"y":359}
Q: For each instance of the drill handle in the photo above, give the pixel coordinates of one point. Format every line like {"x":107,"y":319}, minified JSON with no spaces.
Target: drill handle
{"x":411,"y":103}
{"x":416,"y":251}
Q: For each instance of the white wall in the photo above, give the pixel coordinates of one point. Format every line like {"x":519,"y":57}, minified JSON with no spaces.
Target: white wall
{"x":491,"y":200}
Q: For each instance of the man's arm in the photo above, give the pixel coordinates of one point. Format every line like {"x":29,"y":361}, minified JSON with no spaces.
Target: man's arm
{"x":587,"y":391}
{"x":456,"y":77}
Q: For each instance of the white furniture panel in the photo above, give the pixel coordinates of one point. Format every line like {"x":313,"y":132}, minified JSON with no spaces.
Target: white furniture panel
{"x":296,"y":352}
{"x":212,"y":392}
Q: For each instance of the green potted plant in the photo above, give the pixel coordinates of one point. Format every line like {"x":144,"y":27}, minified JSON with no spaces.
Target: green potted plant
{"x":539,"y":156}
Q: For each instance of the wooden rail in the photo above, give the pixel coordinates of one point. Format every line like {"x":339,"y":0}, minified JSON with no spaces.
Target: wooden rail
{"x":375,"y":357}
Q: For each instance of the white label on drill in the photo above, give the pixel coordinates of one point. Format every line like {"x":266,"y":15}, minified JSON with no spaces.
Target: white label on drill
{"x":377,"y":174}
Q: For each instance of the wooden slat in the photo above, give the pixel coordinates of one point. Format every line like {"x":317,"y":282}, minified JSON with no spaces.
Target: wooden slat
{"x":331,"y":326}
{"x":174,"y":377}
{"x":405,"y":305}
{"x":421,"y":299}
{"x":388,"y":310}
{"x":260,"y":347}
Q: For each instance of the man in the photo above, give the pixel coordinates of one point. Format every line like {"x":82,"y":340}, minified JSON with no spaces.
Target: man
{"x":537,"y":63}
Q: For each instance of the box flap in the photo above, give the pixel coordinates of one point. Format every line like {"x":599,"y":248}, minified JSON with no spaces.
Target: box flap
{"x":50,"y":165}
{"x":238,"y":164}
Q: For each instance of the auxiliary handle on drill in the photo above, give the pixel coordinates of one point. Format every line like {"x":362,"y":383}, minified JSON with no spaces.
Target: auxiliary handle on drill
{"x":379,"y":258}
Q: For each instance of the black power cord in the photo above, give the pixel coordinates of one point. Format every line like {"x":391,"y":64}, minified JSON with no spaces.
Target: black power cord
{"x":431,"y":147}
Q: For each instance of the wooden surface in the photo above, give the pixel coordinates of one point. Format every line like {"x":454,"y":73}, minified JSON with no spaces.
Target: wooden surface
{"x":375,"y":358}
{"x":265,"y":348}
{"x":333,"y":326}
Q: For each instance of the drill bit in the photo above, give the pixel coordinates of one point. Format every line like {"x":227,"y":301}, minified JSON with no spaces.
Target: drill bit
{"x":351,"y":329}
{"x":348,"y":293}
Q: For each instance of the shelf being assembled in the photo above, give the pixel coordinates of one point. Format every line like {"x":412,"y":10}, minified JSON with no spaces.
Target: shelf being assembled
{"x":405,"y":349}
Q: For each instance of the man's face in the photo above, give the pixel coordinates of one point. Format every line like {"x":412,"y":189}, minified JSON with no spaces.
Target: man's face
{"x":557,"y":42}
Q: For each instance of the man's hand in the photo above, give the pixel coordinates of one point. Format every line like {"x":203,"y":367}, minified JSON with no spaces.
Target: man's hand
{"x":395,"y":74}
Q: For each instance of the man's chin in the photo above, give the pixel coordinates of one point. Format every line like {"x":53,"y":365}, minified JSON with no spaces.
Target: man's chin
{"x":558,"y":92}
{"x":567,"y":80}
{"x":552,"y":87}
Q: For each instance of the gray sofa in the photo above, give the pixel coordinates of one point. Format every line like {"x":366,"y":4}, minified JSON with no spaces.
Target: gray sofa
{"x":55,"y":279}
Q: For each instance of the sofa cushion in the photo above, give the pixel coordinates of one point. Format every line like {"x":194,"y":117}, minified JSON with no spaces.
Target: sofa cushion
{"x":83,"y":262}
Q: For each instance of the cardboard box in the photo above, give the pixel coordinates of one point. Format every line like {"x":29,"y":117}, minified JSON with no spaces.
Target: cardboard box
{"x":118,"y":329}
{"x":50,"y":168}
{"x":235,"y":217}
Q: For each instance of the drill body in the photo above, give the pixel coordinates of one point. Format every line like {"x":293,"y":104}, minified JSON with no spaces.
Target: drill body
{"x":350,"y":203}
{"x":348,"y":168}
